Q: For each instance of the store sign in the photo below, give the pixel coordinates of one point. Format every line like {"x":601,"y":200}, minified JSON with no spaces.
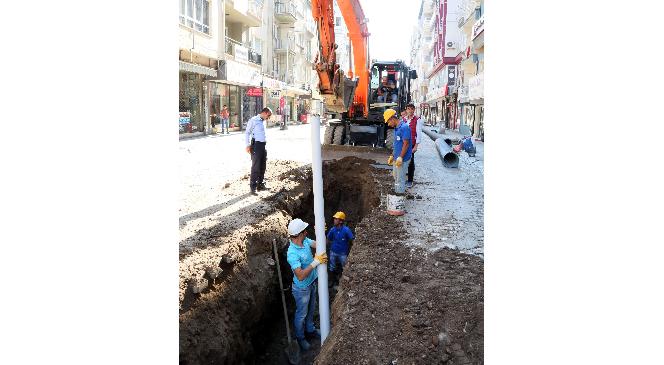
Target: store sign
{"x":254,"y":91}
{"x":275,"y":94}
{"x":478,"y":27}
{"x":451,"y":75}
{"x":241,"y":53}
{"x":271,"y":83}
{"x":476,"y":87}
{"x":241,"y":73}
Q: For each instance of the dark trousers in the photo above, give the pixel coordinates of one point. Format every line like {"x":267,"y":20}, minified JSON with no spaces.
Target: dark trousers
{"x":258,"y":161}
{"x":411,"y":168}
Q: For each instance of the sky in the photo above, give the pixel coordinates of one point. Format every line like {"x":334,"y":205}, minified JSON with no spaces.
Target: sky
{"x":391,"y":25}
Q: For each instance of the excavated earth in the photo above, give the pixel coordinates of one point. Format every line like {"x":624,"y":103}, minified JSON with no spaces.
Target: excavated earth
{"x":395,"y":304}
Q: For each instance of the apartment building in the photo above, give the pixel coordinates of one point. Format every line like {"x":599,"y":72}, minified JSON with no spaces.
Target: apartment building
{"x":471,"y":75}
{"x":245,"y":54}
{"x":436,"y":54}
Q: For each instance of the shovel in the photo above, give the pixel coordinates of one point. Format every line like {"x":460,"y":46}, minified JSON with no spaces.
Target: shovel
{"x":293,"y":349}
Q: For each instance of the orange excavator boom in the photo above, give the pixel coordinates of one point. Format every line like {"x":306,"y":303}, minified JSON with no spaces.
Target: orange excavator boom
{"x":341,"y":93}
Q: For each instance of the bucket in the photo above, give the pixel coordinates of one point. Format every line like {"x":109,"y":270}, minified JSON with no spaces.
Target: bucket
{"x":395,"y":205}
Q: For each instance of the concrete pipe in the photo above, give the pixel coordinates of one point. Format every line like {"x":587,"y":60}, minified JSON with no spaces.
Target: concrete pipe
{"x":449,"y":158}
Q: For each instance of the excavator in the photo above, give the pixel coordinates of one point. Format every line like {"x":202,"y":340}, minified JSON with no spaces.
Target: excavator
{"x":357,"y":99}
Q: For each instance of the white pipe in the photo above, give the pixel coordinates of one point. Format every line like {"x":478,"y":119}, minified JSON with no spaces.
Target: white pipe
{"x":319,"y":213}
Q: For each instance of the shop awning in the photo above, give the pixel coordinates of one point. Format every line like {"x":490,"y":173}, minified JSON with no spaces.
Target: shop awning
{"x":198,"y":69}
{"x":293,"y":91}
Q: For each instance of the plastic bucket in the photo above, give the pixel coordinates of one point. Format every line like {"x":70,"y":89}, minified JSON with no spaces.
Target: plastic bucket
{"x":395,"y":205}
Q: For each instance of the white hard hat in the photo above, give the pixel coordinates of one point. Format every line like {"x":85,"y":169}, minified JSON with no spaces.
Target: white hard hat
{"x":296,"y":226}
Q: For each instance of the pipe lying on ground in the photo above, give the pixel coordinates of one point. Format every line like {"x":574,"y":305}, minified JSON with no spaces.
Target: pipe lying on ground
{"x":319,"y":214}
{"x":449,"y":158}
{"x":432,"y":134}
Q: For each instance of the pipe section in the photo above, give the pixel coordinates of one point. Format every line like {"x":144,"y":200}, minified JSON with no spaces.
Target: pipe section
{"x":449,"y":158}
{"x":319,"y":213}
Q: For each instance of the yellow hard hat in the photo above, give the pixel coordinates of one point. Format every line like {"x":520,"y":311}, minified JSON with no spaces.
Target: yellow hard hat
{"x":389,"y":113}
{"x":339,"y":215}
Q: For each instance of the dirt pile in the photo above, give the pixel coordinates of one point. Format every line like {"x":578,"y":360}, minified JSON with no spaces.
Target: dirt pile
{"x":402,"y":305}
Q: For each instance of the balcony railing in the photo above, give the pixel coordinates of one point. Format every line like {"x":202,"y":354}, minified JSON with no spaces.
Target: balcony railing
{"x":230,"y":46}
{"x":285,"y":11}
{"x":255,"y":8}
{"x":282,"y":45}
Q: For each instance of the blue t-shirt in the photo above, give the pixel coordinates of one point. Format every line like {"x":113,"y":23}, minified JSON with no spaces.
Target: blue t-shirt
{"x":340,"y":238}
{"x":301,"y":257}
{"x":401,"y":132}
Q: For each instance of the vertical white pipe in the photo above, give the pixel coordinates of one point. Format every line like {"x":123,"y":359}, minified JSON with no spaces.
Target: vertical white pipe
{"x":319,"y":213}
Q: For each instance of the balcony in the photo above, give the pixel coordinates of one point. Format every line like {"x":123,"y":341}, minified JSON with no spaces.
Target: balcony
{"x":307,"y":28}
{"x":230,"y":46}
{"x":285,"y":12}
{"x":427,"y":7}
{"x":282,"y":46}
{"x":246,"y":12}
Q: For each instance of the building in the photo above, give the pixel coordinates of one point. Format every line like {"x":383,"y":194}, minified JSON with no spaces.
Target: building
{"x":245,"y":54}
{"x":471,"y":75}
{"x":436,"y":55}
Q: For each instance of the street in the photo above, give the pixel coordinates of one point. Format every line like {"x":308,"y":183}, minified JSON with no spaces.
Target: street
{"x":227,"y":273}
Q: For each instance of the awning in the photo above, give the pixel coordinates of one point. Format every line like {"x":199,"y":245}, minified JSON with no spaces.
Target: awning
{"x":293,"y":91}
{"x":198,"y":69}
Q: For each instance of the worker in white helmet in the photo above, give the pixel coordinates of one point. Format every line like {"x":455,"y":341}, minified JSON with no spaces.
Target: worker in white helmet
{"x":303,"y":263}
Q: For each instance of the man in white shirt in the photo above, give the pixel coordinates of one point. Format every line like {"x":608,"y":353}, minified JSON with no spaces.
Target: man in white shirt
{"x":255,"y":145}
{"x":415,"y":124}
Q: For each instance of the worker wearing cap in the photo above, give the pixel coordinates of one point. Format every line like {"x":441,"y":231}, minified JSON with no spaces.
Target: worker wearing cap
{"x":401,"y":150}
{"x":339,"y":236}
{"x":303,"y":263}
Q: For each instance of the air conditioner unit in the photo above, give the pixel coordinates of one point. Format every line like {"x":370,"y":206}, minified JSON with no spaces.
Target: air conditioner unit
{"x":451,"y":44}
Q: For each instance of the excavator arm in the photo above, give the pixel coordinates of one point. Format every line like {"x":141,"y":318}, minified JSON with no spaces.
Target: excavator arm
{"x":342,"y":93}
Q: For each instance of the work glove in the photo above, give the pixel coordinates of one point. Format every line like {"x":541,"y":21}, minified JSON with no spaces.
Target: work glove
{"x":390,"y":160}
{"x":319,"y":259}
{"x":399,"y":162}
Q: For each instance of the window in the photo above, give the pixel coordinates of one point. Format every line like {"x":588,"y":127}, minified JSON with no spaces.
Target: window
{"x":338,"y":21}
{"x":195,"y":14}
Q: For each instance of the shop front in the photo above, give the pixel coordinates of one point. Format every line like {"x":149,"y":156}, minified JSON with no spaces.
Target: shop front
{"x":192,"y":89}
{"x":275,"y":99}
{"x":238,"y":87}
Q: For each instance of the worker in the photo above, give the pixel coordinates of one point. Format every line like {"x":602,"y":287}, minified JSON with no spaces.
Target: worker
{"x":392,"y":91}
{"x":401,"y":150}
{"x":340,"y":237}
{"x":415,"y":124}
{"x":303,"y":263}
{"x":256,"y":133}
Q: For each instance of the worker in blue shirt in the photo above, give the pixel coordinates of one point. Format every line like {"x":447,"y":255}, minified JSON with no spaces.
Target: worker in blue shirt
{"x":303,"y":263}
{"x":402,"y":149}
{"x":254,"y":140}
{"x":339,"y":236}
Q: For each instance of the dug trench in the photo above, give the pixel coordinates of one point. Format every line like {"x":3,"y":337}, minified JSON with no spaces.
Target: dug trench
{"x":394,"y":303}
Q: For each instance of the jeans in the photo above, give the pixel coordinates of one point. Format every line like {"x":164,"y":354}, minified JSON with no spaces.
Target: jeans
{"x":411,"y":168}
{"x":305,"y":301}
{"x":336,"y":258}
{"x":224,"y":123}
{"x":399,"y":174}
{"x":258,"y":162}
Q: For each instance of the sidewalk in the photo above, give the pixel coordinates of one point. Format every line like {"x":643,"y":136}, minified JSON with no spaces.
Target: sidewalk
{"x":447,"y":205}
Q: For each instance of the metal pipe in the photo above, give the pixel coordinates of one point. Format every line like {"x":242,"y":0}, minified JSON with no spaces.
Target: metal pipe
{"x":319,"y":214}
{"x":449,"y":158}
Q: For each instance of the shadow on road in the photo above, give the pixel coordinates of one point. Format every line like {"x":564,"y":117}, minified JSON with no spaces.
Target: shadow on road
{"x":211,"y":209}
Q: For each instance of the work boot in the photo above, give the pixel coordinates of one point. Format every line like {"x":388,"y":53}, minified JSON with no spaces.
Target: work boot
{"x":315,"y":335}
{"x":409,"y":184}
{"x":253,"y":191}
{"x":304,"y":345}
{"x":261,"y":187}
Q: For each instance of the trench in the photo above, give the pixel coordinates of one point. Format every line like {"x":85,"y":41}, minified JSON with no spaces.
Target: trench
{"x":260,"y":335}
{"x":348,"y":187}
